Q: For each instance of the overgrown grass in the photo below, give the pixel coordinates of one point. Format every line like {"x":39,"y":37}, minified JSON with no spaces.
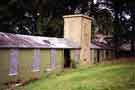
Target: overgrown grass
{"x":99,"y":77}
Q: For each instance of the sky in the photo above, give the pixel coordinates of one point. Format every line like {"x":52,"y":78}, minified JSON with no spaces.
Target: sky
{"x":95,"y":1}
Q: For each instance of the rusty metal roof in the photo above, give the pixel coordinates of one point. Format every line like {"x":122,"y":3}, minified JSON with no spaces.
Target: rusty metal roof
{"x":8,"y":40}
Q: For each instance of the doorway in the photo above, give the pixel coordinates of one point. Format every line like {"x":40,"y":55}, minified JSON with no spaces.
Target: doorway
{"x":67,"y":58}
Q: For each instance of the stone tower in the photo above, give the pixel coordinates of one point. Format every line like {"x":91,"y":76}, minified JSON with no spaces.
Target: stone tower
{"x":78,"y":29}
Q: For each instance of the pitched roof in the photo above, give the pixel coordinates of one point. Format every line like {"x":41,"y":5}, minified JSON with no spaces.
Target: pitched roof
{"x":8,"y":40}
{"x":101,"y":41}
{"x":94,"y":46}
{"x":99,"y":45}
{"x":125,"y":47}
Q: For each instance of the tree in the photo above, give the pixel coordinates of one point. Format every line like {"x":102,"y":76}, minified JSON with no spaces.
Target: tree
{"x":124,"y":16}
{"x":25,"y":16}
{"x":104,"y":21}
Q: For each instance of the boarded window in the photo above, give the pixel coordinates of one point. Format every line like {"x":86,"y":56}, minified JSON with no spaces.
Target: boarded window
{"x":76,"y":56}
{"x":36,"y":61}
{"x":13,"y":62}
{"x":53,"y":58}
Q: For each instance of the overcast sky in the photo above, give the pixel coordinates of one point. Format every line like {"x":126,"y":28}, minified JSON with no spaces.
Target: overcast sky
{"x":95,"y":1}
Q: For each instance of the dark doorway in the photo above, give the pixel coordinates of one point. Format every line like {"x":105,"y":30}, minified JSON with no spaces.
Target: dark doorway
{"x":98,"y":56}
{"x":67,"y":60}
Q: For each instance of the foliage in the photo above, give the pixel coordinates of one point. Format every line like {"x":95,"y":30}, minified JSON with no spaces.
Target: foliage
{"x":51,"y":12}
{"x":24,"y":17}
{"x":104,"y":21}
{"x":124,"y":16}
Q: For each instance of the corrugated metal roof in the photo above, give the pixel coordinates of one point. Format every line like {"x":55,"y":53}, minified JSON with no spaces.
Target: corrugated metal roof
{"x":99,"y":45}
{"x":101,"y":41}
{"x":8,"y":40}
{"x":125,"y":47}
{"x":93,"y":46}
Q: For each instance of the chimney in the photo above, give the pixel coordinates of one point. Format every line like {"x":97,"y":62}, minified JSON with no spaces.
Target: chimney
{"x":78,"y":29}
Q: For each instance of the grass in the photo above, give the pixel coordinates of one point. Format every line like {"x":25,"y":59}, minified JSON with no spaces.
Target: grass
{"x":118,"y":76}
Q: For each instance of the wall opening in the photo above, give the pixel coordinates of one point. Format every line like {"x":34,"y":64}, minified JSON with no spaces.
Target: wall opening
{"x":98,"y":56}
{"x":67,"y":58}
